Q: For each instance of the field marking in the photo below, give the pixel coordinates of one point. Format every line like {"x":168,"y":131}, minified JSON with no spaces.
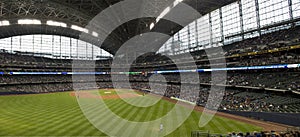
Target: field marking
{"x":93,"y":96}
{"x":120,"y":108}
{"x":267,"y":126}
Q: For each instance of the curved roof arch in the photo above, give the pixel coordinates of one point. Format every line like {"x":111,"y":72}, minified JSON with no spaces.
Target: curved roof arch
{"x":80,"y":12}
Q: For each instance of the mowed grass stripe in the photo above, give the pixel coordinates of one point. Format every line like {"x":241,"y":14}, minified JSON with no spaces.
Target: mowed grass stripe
{"x":169,"y":122}
{"x":218,"y":127}
{"x":127,"y":107}
{"x":123,"y":110}
{"x":238,"y":127}
{"x":132,"y":114}
{"x":107,"y":119}
{"x":61,"y":123}
{"x":184,"y":127}
{"x":225,"y":125}
{"x":59,"y":118}
{"x":83,"y":130}
{"x":25,"y":117}
{"x":70,"y":120}
{"x":145,"y":114}
{"x":59,"y":115}
{"x":144,"y":117}
{"x":13,"y":116}
{"x":189,"y":125}
{"x":127,"y":112}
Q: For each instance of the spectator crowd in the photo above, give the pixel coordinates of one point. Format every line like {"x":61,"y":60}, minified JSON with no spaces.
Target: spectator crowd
{"x":235,"y":98}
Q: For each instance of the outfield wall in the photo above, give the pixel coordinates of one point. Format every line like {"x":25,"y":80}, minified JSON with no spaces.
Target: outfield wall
{"x":292,"y":119}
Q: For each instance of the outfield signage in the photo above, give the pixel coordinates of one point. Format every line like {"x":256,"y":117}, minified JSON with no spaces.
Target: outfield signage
{"x":35,"y":73}
{"x":282,"y":66}
{"x":181,"y":100}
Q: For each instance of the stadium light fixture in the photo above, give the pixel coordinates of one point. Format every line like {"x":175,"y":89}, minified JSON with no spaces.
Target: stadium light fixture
{"x":166,"y":11}
{"x":54,"y":23}
{"x":29,"y":22}
{"x":95,"y":34}
{"x":4,"y":23}
{"x":79,"y":29}
{"x":176,"y":2}
{"x":152,"y":25}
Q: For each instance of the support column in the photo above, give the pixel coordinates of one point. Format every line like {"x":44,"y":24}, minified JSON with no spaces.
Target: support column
{"x":135,"y":56}
{"x":210,"y":30}
{"x":172,"y":46}
{"x":127,"y":57}
{"x":291,"y":12}
{"x":77,"y":49}
{"x":86,"y":51}
{"x":179,"y":43}
{"x":20,"y":40}
{"x":11,"y":43}
{"x":52,"y":46}
{"x":32,"y":44}
{"x":257,"y":17}
{"x":196,"y":27}
{"x":71,"y":48}
{"x":60,"y":47}
{"x":101,"y":53}
{"x":221,"y":27}
{"x":93,"y":52}
{"x":41,"y":43}
{"x":189,"y":39}
{"x":11,"y":49}
{"x":241,"y":19}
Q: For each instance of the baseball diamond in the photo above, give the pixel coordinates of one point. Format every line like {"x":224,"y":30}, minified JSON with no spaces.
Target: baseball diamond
{"x":150,"y":68}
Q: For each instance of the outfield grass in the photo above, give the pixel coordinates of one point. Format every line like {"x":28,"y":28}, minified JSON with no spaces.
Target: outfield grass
{"x":105,"y":92}
{"x":59,"y":114}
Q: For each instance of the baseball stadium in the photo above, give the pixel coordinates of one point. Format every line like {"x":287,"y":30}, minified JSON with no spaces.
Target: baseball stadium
{"x":150,"y":68}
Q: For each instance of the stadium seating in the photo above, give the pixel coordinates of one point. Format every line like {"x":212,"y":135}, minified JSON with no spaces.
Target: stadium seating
{"x":265,"y":50}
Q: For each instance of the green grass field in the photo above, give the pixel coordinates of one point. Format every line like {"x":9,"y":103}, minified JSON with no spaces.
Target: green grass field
{"x":59,"y":114}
